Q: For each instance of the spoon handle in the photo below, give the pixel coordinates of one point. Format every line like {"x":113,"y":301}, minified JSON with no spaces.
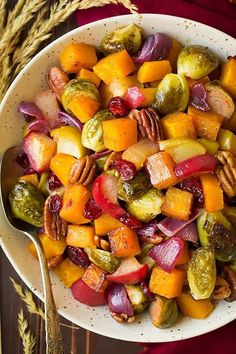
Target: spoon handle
{"x":54,"y":342}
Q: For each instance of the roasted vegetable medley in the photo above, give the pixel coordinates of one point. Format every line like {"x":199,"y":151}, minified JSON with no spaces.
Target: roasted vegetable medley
{"x":129,"y":174}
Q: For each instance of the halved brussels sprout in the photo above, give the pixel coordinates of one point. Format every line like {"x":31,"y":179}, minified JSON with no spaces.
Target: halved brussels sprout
{"x":125,"y":37}
{"x":27,"y":203}
{"x":163,"y":312}
{"x":172,"y":94}
{"x":43,"y":184}
{"x":148,"y":206}
{"x":103,"y":259}
{"x":92,"y":134}
{"x":196,"y":62}
{"x":219,"y":100}
{"x":215,"y":230}
{"x":137,"y":298}
{"x":144,"y":258}
{"x":202,"y":273}
{"x":133,"y":188}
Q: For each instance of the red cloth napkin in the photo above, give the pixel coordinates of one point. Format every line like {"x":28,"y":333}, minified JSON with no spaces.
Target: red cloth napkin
{"x":222,"y":15}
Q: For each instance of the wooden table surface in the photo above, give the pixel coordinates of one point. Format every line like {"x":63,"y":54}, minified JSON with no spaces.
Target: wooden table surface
{"x":77,"y":341}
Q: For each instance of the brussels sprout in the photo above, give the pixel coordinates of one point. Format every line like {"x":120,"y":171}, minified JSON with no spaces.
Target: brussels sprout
{"x":216,"y":230}
{"x":76,"y":88}
{"x":219,"y":100}
{"x":144,"y":258}
{"x":125,"y":37}
{"x":196,"y":62}
{"x":202,"y":273}
{"x":92,"y":134}
{"x":133,"y":188}
{"x":137,"y":298}
{"x":163,"y":312}
{"x":103,"y":259}
{"x":172,"y":94}
{"x":43,"y":184}
{"x":27,"y":203}
{"x":148,"y":206}
{"x":232,"y":265}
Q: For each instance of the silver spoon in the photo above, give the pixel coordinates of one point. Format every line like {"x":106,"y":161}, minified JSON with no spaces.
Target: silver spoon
{"x":10,"y":171}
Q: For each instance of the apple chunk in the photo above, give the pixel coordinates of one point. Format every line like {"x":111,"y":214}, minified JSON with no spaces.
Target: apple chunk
{"x":129,"y":272}
{"x":39,"y":149}
{"x":84,"y":294}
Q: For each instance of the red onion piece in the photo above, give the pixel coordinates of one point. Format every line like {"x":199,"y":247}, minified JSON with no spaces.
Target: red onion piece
{"x":166,"y":253}
{"x":134,"y":97}
{"x":171,"y":226}
{"x":98,"y":155}
{"x":38,"y":126}
{"x":67,"y":119}
{"x":118,"y":300}
{"x":146,"y":291}
{"x":30,"y":109}
{"x":155,"y":47}
{"x":148,"y":229}
{"x":189,"y":233}
{"x":198,"y":97}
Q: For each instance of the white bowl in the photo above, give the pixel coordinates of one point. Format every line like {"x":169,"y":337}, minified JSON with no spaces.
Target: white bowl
{"x":28,"y":83}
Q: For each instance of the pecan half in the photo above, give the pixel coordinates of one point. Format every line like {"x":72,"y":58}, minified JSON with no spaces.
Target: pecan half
{"x":226,"y":172}
{"x":230,"y":276}
{"x":121,"y":317}
{"x":54,"y":226}
{"x":149,"y":124}
{"x":83,"y":171}
{"x":221,"y":290}
{"x":53,"y":262}
{"x":114,"y":156}
{"x":102,"y":243}
{"x":154,"y":239}
{"x":57,"y":80}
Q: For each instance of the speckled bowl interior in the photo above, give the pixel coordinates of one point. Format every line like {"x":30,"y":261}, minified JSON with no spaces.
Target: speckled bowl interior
{"x":28,"y":83}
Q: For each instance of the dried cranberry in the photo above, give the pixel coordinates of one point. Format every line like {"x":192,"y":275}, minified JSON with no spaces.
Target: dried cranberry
{"x":78,"y":256}
{"x":118,"y":107}
{"x":22,"y":160}
{"x":130,"y":221}
{"x":55,"y":203}
{"x":126,"y":169}
{"x":53,"y":182}
{"x":193,"y":186}
{"x":91,"y":210}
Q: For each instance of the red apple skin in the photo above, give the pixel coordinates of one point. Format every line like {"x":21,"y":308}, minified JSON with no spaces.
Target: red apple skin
{"x":39,"y":149}
{"x":86,"y":295}
{"x":196,"y":165}
{"x":132,"y":277}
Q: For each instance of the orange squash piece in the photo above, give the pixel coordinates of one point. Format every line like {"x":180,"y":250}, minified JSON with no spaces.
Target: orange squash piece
{"x":161,"y":170}
{"x":149,"y":93}
{"x":105,"y":94}
{"x":230,"y":124}
{"x":84,"y":107}
{"x":80,"y":236}
{"x":78,"y":55}
{"x":105,"y":224}
{"x":51,"y":248}
{"x":207,"y":124}
{"x":178,"y":125}
{"x":153,"y":70}
{"x":213,"y":194}
{"x":61,"y":165}
{"x":192,"y":82}
{"x":88,"y":75}
{"x":227,"y":77}
{"x":68,"y":272}
{"x":119,"y":134}
{"x":177,"y":204}
{"x":74,"y":200}
{"x":194,"y":308}
{"x":174,"y":53}
{"x":183,"y":258}
{"x":95,"y":278}
{"x":124,"y":242}
{"x":33,"y":178}
{"x":167,"y":284}
{"x":113,"y":66}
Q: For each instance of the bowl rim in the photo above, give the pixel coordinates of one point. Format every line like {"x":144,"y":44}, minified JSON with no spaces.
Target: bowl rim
{"x":41,"y":53}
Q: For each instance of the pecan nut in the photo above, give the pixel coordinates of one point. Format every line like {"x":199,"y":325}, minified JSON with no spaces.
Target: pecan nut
{"x":83,"y":171}
{"x":53,"y":262}
{"x":154,"y":239}
{"x":54,"y":226}
{"x":57,"y":80}
{"x":221,"y":290}
{"x":114,"y":156}
{"x":230,"y":276}
{"x":226,"y":172}
{"x":121,"y":317}
{"x":149,"y":124}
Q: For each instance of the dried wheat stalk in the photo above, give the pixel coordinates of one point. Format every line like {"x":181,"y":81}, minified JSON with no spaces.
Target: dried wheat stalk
{"x":28,"y":340}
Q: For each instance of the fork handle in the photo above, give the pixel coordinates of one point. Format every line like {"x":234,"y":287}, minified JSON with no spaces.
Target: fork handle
{"x":54,"y":341}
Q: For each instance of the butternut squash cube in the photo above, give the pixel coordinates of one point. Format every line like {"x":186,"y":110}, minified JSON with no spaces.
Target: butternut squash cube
{"x":80,"y":236}
{"x":228,"y":75}
{"x":124,"y":242}
{"x":74,"y":200}
{"x":33,"y":178}
{"x":213,"y":194}
{"x":88,"y":75}
{"x":68,"y":272}
{"x":84,"y":107}
{"x":114,"y":66}
{"x":95,"y":278}
{"x":178,"y":125}
{"x":174,"y":53}
{"x":78,"y":55}
{"x":60,"y":165}
{"x":105,"y":224}
{"x":149,"y":93}
{"x":194,"y":308}
{"x":177,"y":204}
{"x":153,"y":70}
{"x":51,"y":248}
